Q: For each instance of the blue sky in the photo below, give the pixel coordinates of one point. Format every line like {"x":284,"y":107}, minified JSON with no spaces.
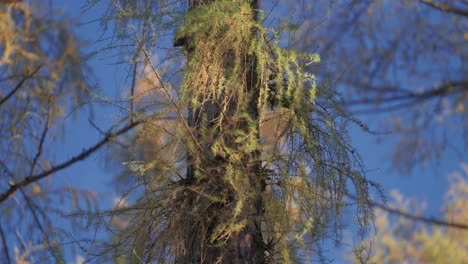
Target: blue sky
{"x":422,"y":184}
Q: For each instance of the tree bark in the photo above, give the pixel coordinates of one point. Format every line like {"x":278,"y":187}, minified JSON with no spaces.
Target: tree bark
{"x":247,"y":246}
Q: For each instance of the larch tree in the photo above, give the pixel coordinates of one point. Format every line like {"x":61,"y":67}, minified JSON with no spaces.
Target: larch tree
{"x":240,"y":156}
{"x":244,"y":159}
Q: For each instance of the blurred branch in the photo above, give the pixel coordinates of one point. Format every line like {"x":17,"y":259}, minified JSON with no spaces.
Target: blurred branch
{"x":132,"y":92}
{"x":41,"y":141}
{"x":6,"y":169}
{"x":33,"y":208}
{"x":428,"y":220}
{"x":134,"y":77}
{"x":166,"y":92}
{"x":84,"y":154}
{"x":445,"y":8}
{"x":406,"y":98}
{"x":5,"y":246}
{"x":10,"y":1}
{"x":19,"y":85}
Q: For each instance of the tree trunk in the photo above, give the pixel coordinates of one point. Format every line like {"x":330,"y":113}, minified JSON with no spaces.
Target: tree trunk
{"x":247,"y":245}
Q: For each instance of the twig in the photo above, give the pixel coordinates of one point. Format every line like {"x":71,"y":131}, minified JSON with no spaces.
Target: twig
{"x":41,"y":141}
{"x":39,"y":224}
{"x":5,"y":245}
{"x":19,"y":85}
{"x":132,"y":93}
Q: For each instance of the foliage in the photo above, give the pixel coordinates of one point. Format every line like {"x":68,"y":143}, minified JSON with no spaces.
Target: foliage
{"x":41,"y":78}
{"x":237,"y":138}
{"x":236,"y":79}
{"x":403,"y":241}
{"x":396,"y":61}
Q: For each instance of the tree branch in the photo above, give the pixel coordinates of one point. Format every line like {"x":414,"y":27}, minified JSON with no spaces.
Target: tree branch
{"x":132,"y":92}
{"x":445,"y":8}
{"x":41,"y":141}
{"x":428,"y":220}
{"x":406,"y":97}
{"x":19,"y":85}
{"x":40,"y":226}
{"x":5,"y":246}
{"x":84,"y":154}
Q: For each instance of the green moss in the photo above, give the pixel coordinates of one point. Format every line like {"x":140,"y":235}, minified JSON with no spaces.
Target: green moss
{"x":228,"y":82}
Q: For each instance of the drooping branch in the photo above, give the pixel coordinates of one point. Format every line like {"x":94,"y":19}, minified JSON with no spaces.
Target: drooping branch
{"x":445,"y":8}
{"x":84,"y":154}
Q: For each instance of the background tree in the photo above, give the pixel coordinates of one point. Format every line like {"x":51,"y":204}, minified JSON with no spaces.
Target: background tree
{"x":402,"y":61}
{"x":398,"y":240}
{"x":42,"y":79}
